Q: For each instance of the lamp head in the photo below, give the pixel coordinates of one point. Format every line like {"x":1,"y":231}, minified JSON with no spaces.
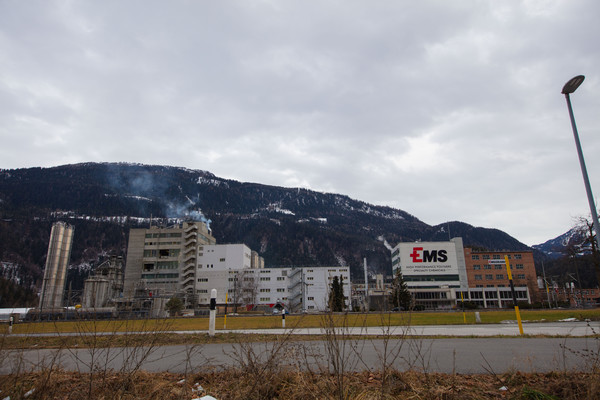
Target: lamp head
{"x":573,"y":84}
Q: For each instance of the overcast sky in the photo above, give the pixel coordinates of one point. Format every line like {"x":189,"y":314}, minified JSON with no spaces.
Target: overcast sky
{"x":449,"y":110}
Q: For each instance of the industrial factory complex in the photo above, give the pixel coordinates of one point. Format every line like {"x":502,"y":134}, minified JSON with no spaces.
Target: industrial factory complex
{"x":184,"y":261}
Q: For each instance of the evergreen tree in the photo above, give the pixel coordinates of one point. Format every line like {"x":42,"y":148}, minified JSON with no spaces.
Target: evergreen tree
{"x":336,"y":295}
{"x":174,"y":306}
{"x":401,"y":297}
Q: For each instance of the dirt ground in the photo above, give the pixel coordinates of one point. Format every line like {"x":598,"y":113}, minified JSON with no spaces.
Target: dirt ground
{"x":261,"y":384}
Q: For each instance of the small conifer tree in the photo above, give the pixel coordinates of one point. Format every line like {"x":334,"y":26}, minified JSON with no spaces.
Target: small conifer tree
{"x":401,"y":297}
{"x":336,"y":295}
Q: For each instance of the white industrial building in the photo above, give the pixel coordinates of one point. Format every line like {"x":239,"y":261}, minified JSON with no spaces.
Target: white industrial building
{"x":224,"y":256}
{"x":429,"y":265}
{"x":184,"y":260}
{"x":437,"y":276}
{"x":298,"y":289}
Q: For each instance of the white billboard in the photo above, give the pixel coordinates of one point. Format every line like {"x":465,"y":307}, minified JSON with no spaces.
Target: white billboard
{"x":428,"y":258}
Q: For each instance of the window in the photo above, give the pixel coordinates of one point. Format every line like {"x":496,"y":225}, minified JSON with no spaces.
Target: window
{"x":265,"y":278}
{"x":477,"y":266}
{"x":280,"y":278}
{"x":519,"y":266}
{"x":487,"y":266}
{"x":498,"y":266}
{"x":517,"y":256}
{"x":221,"y":260}
{"x":489,"y":276}
{"x":500,"y":276}
{"x":486,"y":256}
{"x":475,"y":257}
{"x":309,"y":278}
{"x":204,"y":279}
{"x":265,"y":290}
{"x":520,"y":276}
{"x":280,"y":290}
{"x":202,"y":291}
{"x":477,"y":277}
{"x":311,"y":298}
{"x":167,"y":265}
{"x":267,"y":299}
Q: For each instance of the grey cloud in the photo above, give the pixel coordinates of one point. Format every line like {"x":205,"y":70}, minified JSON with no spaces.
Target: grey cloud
{"x":438,"y":108}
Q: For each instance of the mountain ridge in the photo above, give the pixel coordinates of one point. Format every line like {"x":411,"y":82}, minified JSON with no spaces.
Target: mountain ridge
{"x":287,"y":226}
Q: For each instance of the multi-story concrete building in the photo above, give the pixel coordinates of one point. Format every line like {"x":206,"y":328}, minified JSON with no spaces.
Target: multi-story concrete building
{"x":165,"y":259}
{"x":487,"y":268}
{"x":438,"y":273}
{"x":185,"y":260}
{"x":57,"y":262}
{"x":224,"y":256}
{"x":428,"y":265}
{"x":299,"y":289}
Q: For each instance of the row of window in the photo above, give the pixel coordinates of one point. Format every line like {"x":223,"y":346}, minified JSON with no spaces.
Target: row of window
{"x":308,"y":271}
{"x":159,"y":276}
{"x":161,"y":253}
{"x":498,"y":276}
{"x":497,"y":266}
{"x":162,"y":243}
{"x":161,"y":265}
{"x":490,"y":286}
{"x":495,"y":256}
{"x":494,"y":295}
{"x":163,"y":235}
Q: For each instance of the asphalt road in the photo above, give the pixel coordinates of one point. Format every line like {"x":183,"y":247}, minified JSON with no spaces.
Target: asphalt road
{"x":459,"y":354}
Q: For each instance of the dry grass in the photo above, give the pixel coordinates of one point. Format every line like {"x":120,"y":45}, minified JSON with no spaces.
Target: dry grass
{"x":305,"y":321}
{"x":234,"y":384}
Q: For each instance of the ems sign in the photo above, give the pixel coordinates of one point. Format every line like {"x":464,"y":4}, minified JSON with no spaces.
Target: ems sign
{"x":424,"y":258}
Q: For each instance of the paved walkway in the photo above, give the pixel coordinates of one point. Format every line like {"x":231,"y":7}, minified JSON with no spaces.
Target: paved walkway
{"x":574,"y":329}
{"x":562,"y":329}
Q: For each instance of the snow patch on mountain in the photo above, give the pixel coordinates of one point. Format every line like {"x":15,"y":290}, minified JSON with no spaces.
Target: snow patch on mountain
{"x":211,"y":182}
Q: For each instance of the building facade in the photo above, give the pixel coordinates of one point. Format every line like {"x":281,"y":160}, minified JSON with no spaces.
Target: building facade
{"x":442,"y":275}
{"x":298,"y":289}
{"x":165,"y":259}
{"x":184,"y":260}
{"x":487,"y":268}
{"x":57,"y":262}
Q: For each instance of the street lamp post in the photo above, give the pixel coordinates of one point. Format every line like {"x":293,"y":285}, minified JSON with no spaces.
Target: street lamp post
{"x":569,"y":88}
